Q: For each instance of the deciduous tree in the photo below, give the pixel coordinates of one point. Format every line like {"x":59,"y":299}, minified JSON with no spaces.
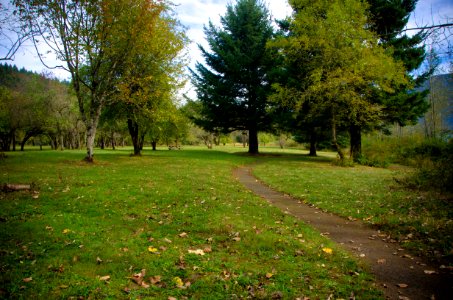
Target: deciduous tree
{"x":344,"y":65}
{"x":95,"y":40}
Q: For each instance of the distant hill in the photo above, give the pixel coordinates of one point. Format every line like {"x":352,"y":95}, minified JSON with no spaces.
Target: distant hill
{"x":441,"y":98}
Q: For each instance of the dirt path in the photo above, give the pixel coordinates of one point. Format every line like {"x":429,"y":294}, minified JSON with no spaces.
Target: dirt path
{"x":399,"y":274}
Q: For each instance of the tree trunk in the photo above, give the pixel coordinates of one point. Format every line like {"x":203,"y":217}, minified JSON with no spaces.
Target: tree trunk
{"x":5,"y":142}
{"x":113,"y":140}
{"x":253,"y":141}
{"x":334,"y":138}
{"x":102,"y":142}
{"x":13,"y":139}
{"x":61,"y":142}
{"x":154,"y":145}
{"x":133,"y":131}
{"x":313,"y":142}
{"x":91,"y":134}
{"x":355,"y":133}
{"x":27,"y":136}
{"x":244,"y":139}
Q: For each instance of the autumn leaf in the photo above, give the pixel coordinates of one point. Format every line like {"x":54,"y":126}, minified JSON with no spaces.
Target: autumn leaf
{"x":207,"y":250}
{"x":152,"y":249}
{"x":402,"y":285}
{"x":236,"y":239}
{"x":104,"y":278}
{"x":182,"y":235}
{"x":66,"y":231}
{"x":381,"y":261}
{"x":327,"y":250}
{"x":28,"y":279}
{"x":429,"y":272}
{"x":138,"y":278}
{"x":269,"y":275}
{"x":178,"y":282}
{"x":98,"y":260}
{"x":155,"y":279}
{"x":197,"y":252}
{"x":167,"y":240}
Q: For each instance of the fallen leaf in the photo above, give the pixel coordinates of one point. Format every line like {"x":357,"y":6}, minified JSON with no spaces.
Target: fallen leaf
{"x":167,"y":240}
{"x":197,"y":252}
{"x":182,"y":235}
{"x":236,"y":239}
{"x":172,"y":298}
{"x":381,"y":261}
{"x":429,"y":272}
{"x":98,"y":260}
{"x":104,"y":278}
{"x":269,"y":275}
{"x":155,"y":279}
{"x":402,"y":285}
{"x":152,"y":249}
{"x":28,"y":279}
{"x":138,"y":278}
{"x":49,"y":228}
{"x":66,"y":231}
{"x":178,"y":282}
{"x":327,"y":250}
{"x":207,"y":250}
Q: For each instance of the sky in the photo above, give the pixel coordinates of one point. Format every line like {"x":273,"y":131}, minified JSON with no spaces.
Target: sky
{"x":194,"y":14}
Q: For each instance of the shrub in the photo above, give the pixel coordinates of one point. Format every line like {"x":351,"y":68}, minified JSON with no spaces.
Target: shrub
{"x":435,"y":165}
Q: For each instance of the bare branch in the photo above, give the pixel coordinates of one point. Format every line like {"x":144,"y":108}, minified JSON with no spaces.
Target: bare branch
{"x":428,"y":27}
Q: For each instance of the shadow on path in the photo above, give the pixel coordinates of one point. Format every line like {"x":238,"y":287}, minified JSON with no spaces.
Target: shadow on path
{"x":399,"y":275}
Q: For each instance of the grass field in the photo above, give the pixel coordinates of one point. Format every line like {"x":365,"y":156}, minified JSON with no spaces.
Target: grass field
{"x":167,"y":224}
{"x":421,"y":221}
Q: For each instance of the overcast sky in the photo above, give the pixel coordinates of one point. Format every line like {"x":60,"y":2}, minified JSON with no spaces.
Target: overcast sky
{"x":194,"y":14}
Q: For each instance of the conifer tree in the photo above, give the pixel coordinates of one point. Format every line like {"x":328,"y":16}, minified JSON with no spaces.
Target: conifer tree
{"x":233,"y":86}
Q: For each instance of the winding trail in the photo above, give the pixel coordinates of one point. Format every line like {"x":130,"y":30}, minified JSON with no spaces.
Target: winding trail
{"x":399,"y":274}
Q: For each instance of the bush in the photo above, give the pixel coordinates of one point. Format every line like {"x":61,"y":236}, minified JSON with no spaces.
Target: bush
{"x":373,"y":162}
{"x":435,"y":165}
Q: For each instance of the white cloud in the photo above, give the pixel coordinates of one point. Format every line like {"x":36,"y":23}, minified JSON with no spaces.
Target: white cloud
{"x":194,"y":14}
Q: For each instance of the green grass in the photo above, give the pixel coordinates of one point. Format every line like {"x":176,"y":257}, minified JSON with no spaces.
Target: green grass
{"x":421,"y":221}
{"x":91,"y":221}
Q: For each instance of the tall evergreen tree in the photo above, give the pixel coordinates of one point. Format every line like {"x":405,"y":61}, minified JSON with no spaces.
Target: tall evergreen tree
{"x":233,"y":86}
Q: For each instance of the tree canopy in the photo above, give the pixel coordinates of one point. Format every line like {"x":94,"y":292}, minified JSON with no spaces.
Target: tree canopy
{"x":344,"y":65}
{"x":97,"y":40}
